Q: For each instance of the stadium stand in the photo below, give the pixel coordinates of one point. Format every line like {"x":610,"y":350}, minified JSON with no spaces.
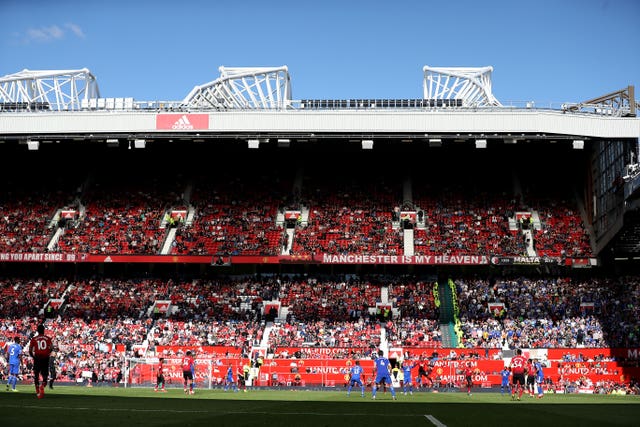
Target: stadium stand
{"x":315,"y":249}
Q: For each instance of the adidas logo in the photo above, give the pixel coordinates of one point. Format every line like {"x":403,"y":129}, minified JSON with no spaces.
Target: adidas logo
{"x":182,"y":123}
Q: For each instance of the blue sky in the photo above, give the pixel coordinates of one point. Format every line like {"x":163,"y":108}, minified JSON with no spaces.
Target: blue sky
{"x":548,"y":51}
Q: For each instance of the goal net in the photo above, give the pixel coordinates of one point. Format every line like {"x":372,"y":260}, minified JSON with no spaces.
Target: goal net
{"x":142,"y":372}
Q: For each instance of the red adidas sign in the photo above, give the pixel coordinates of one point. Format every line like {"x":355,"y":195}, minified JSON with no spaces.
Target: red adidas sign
{"x":182,"y":121}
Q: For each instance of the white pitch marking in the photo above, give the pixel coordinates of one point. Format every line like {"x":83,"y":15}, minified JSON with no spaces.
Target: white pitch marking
{"x":435,"y":421}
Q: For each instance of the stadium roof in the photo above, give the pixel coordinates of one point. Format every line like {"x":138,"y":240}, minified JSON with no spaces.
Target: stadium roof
{"x":236,"y":88}
{"x":256,"y":102}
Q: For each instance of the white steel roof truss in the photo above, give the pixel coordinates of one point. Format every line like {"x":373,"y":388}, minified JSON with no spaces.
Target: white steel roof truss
{"x":59,"y":88}
{"x":244,"y":88}
{"x":471,"y":85}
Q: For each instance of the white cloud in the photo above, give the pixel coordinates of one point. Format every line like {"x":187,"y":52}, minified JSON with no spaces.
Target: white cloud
{"x":44,"y":34}
{"x":52,"y":33}
{"x":75,"y":29}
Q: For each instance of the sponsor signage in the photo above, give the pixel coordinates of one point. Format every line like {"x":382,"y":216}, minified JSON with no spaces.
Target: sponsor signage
{"x":581,"y":262}
{"x":408,"y":216}
{"x":495,"y":307}
{"x":55,"y":303}
{"x":524,"y":260}
{"x":163,"y":306}
{"x":49,"y":257}
{"x":292,"y":214}
{"x":591,"y":353}
{"x":355,"y":259}
{"x":178,"y":215}
{"x":182,"y":122}
{"x":406,"y":259}
{"x":587,"y":306}
{"x":69,"y":214}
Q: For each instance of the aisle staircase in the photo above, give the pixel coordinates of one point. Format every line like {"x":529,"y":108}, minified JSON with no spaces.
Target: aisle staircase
{"x":447,"y":315}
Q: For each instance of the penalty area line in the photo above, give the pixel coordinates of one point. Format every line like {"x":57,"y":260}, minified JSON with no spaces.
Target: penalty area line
{"x":435,"y":421}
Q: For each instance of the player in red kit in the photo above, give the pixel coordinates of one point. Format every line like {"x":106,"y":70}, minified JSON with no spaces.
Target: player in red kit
{"x":530,"y":375}
{"x":517,"y":367}
{"x":160,"y":376}
{"x":467,"y":378}
{"x":188,"y":371}
{"x":40,"y":348}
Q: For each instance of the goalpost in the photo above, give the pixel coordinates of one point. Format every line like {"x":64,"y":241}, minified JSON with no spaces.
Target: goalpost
{"x":142,"y":372}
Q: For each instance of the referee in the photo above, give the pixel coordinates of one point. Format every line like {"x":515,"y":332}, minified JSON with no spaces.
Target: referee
{"x":52,"y":369}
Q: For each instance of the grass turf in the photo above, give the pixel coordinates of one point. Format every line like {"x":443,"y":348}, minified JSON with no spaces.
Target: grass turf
{"x":119,"y":407}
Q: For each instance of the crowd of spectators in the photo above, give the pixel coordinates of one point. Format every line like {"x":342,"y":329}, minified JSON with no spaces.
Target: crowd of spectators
{"x":414,"y":332}
{"x":458,"y":221}
{"x":26,"y":217}
{"x":549,"y":312}
{"x":347,"y":217}
{"x":192,"y":333}
{"x":564,"y":233}
{"x":121,"y":216}
{"x":24,"y":297}
{"x":536,"y":313}
{"x":101,"y":319}
{"x":350,"y":334}
{"x":530,"y":312}
{"x":235,"y":215}
{"x":311,"y":299}
{"x":242,"y":215}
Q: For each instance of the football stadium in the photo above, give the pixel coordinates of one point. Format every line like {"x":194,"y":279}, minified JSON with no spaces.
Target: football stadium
{"x":290,"y":247}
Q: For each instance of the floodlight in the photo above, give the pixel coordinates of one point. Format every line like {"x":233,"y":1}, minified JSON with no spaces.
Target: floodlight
{"x":253,"y":143}
{"x":578,"y":144}
{"x":367,"y":144}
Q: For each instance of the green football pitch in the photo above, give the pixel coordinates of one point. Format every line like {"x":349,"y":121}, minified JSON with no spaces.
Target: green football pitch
{"x":119,"y":407}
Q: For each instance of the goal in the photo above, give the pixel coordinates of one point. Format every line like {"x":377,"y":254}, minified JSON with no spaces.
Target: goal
{"x":142,"y":372}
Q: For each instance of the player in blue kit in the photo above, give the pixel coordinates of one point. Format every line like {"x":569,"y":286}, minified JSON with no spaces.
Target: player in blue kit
{"x":230,"y":381}
{"x":383,"y":374}
{"x":14,"y":354}
{"x":539,"y":377}
{"x":355,"y":377}
{"x":504,"y":386}
{"x":407,"y":378}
